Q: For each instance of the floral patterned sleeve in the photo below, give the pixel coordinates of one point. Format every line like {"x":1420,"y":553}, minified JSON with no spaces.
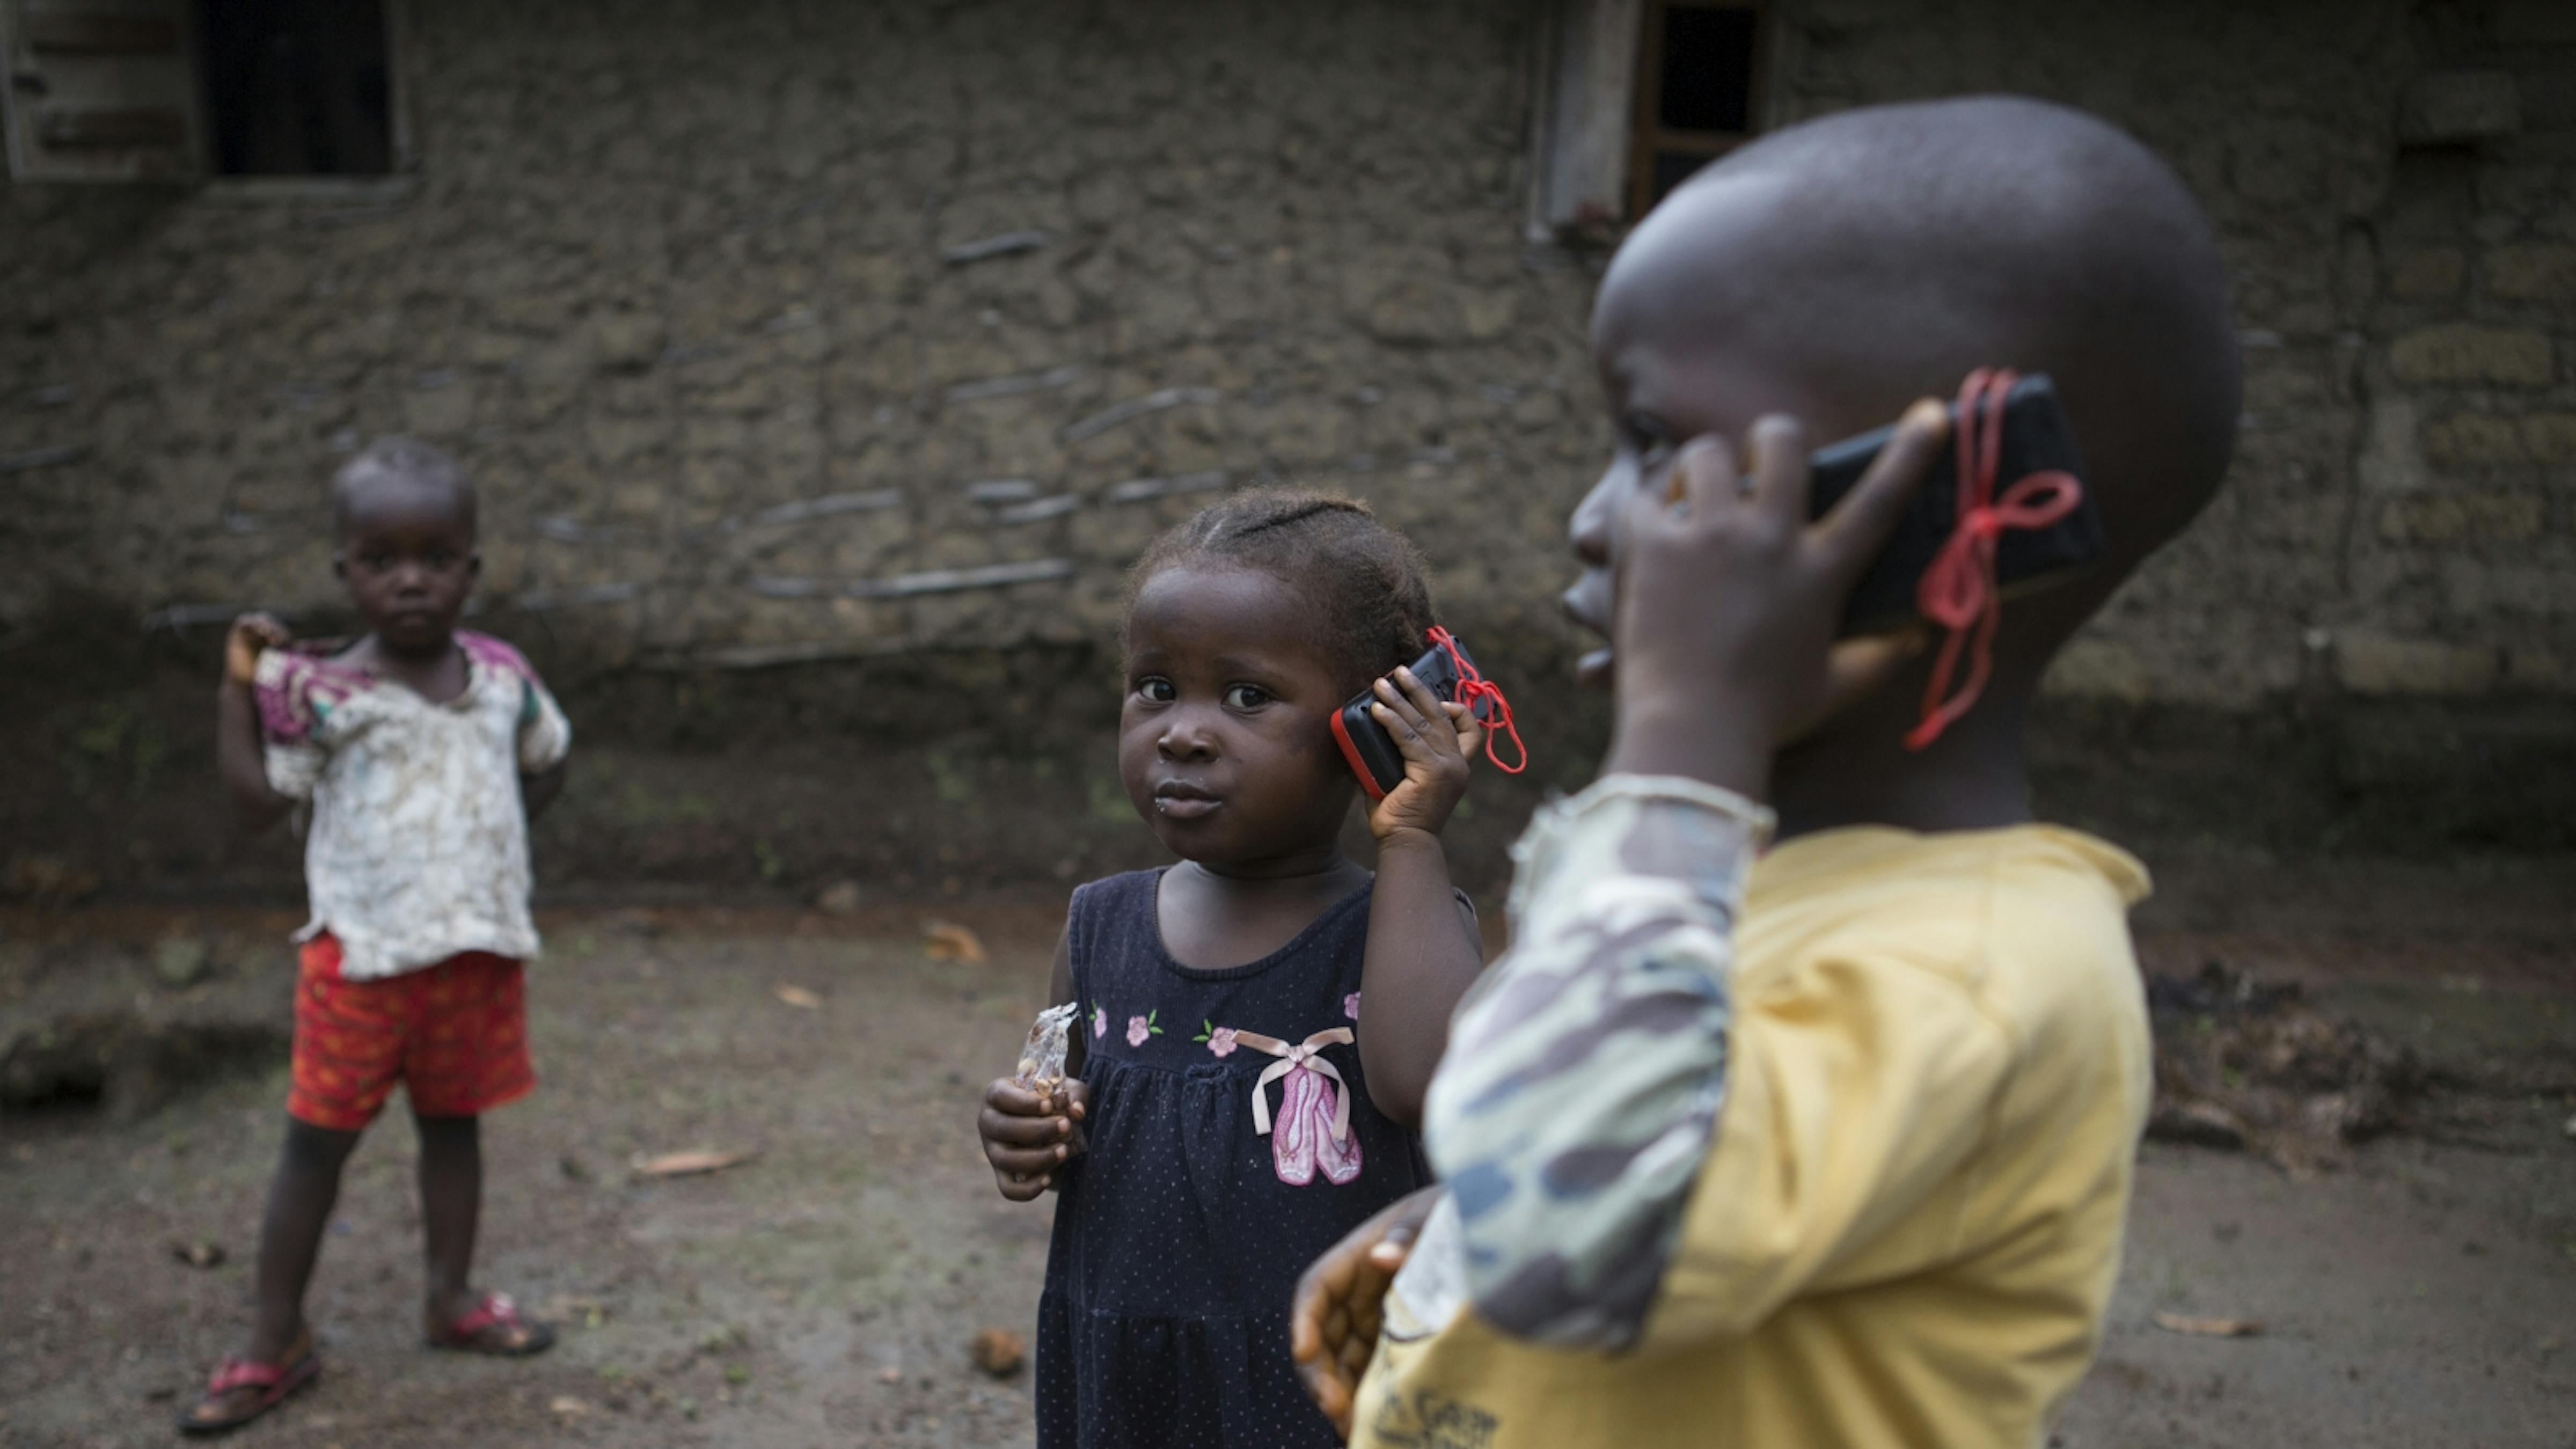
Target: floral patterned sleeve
{"x":295,"y":692}
{"x":1584,"y":1074}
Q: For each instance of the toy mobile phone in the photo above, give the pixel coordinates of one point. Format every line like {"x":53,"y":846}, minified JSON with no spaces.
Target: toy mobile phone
{"x":1365,"y":743}
{"x":2036,"y":437}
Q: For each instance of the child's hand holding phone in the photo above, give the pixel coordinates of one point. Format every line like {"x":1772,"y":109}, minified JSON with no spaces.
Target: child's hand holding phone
{"x":1029,"y":1133}
{"x":1435,"y":739}
{"x":1728,"y":601}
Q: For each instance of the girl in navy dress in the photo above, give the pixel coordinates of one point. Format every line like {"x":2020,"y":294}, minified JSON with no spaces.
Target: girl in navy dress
{"x":1257,"y":1024}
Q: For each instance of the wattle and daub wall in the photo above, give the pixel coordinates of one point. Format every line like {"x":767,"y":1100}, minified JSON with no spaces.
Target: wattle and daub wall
{"x":824,"y":364}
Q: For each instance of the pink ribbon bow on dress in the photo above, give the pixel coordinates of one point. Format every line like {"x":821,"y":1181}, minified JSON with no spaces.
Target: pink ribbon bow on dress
{"x":1314,"y":1118}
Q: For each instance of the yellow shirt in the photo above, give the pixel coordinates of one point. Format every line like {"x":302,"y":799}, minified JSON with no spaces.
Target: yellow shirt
{"x":1908,"y":1221}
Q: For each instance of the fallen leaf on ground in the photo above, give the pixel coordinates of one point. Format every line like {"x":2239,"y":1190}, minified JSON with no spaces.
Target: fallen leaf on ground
{"x":2208,"y":1327}
{"x":687,"y":1164}
{"x":197,"y":1254}
{"x":568,"y":1406}
{"x":798,"y":996}
{"x":999,"y":1351}
{"x":890,"y":1375}
{"x":949,"y":941}
{"x":840,"y":898}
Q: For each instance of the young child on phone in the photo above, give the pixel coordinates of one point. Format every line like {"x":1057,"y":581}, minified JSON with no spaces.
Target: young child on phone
{"x":1256,"y":1024}
{"x":422,"y":751}
{"x":1827,"y":1141}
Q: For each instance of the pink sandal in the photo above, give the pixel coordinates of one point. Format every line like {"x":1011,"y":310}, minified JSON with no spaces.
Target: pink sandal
{"x":273,"y":1380}
{"x":516,"y":1337}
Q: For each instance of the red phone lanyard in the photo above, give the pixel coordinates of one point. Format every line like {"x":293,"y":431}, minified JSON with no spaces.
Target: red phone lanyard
{"x":1474,"y":690}
{"x":1958,"y":592}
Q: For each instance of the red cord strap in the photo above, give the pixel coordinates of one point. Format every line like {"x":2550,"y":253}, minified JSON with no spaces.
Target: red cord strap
{"x":1485,"y":699}
{"x":1958,"y":592}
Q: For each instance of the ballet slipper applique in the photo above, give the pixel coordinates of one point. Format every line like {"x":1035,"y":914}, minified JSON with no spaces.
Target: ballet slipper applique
{"x":1314,"y":1126}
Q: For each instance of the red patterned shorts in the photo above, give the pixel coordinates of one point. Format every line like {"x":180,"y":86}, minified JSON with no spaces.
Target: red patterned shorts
{"x":454,"y":1034}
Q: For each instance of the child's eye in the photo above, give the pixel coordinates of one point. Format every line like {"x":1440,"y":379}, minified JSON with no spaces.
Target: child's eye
{"x":1246,"y":696}
{"x":1649,"y":438}
{"x":1156,"y":690}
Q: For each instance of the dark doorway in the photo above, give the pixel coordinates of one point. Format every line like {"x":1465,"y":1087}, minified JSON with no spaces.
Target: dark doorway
{"x":1698,"y":72}
{"x":299,"y":87}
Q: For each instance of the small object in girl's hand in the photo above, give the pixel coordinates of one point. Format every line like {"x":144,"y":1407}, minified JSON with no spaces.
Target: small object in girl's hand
{"x":1042,"y":1059}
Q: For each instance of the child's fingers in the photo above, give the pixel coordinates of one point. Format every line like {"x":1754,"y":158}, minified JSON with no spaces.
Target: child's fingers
{"x":1401,"y":716}
{"x":1020,"y":1188}
{"x":1030,"y":1133}
{"x":1012,"y":1099}
{"x":1317,"y":1306}
{"x":1780,"y":469}
{"x":1332,"y":1396}
{"x":1705,"y":476}
{"x":1017,"y":1131}
{"x":1471,"y":733}
{"x":1859,"y":525}
{"x":1421,"y":729}
{"x":1025,"y":1161}
{"x":1426,"y":706}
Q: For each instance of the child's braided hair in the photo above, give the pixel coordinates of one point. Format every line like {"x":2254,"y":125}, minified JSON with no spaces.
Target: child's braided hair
{"x":1366,"y":577}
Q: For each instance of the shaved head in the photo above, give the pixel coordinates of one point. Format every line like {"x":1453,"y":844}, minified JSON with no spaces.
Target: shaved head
{"x":1839,"y":269}
{"x":405,"y":473}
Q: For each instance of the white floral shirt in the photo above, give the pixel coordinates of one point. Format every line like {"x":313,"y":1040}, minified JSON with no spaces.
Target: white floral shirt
{"x":419,"y":843}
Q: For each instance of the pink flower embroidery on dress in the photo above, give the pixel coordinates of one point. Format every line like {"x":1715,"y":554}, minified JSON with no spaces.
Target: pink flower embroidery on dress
{"x":1314,"y":1127}
{"x":1099,"y":1021}
{"x":1221,"y":1041}
{"x":1141,"y":1027}
{"x":1351,"y":1006}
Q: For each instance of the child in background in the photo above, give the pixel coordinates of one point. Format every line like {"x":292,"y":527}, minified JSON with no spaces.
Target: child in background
{"x":423,"y":751}
{"x":1829,"y":1143}
{"x":1258,"y":1023}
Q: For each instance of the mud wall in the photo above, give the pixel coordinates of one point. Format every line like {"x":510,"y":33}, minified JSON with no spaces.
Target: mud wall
{"x":824,"y":364}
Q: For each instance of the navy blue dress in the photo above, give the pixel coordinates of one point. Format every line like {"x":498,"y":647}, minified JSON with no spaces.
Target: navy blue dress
{"x":1179,"y":1236}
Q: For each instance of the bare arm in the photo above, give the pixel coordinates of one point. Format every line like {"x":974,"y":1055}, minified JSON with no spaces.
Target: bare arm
{"x":539,"y":790}
{"x":238,"y":746}
{"x":1422,"y":948}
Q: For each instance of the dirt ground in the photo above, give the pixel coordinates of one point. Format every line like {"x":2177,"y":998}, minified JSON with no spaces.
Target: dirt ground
{"x":824,"y":1292}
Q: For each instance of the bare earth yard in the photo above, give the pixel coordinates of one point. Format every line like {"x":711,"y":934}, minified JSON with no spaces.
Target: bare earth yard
{"x":824,"y":1292}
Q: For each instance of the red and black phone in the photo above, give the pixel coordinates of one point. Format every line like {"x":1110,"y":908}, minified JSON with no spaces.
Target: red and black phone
{"x":2034,"y":436}
{"x":1453,"y":678}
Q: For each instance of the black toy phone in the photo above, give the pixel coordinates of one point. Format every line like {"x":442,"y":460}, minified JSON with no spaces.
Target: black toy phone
{"x":2036,"y":437}
{"x":1365,"y":743}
